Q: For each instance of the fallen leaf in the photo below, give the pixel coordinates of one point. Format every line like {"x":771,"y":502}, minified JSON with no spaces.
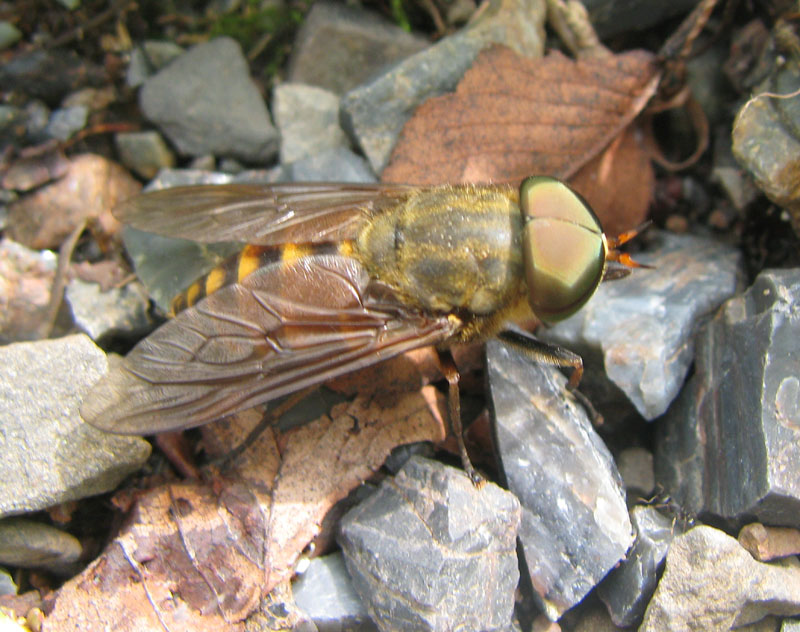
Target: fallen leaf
{"x":511,"y":117}
{"x":91,"y":187}
{"x":201,"y":556}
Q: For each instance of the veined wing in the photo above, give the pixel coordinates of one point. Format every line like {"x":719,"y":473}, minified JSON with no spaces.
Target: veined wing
{"x":261,"y":214}
{"x":284,"y":327}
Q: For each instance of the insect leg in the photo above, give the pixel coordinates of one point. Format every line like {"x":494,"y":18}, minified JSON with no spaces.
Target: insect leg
{"x":553,"y":355}
{"x":269,"y":418}
{"x":450,"y":371}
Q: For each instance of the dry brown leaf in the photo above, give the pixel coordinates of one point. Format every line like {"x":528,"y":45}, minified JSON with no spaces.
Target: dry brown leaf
{"x":199,"y":556}
{"x":91,"y":187}
{"x":619,"y":182}
{"x":511,"y":117}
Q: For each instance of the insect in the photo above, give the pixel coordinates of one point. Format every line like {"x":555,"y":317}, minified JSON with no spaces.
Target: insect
{"x":336,"y":277}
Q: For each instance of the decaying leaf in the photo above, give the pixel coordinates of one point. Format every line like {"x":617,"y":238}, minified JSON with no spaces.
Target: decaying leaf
{"x":511,"y":117}
{"x":201,"y":556}
{"x":90,"y":188}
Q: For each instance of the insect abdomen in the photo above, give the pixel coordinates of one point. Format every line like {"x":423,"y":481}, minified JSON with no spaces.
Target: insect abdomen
{"x":247,"y":261}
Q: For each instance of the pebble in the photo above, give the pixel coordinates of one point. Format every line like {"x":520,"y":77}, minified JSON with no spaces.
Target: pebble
{"x":50,"y":455}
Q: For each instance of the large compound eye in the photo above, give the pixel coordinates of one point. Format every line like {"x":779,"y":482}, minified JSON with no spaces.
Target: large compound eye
{"x":563,"y":248}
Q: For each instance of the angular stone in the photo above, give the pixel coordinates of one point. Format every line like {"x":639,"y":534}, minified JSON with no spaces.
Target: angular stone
{"x":120,"y":310}
{"x":629,"y":587}
{"x":326,"y":594}
{"x":766,"y":140}
{"x":144,"y":152}
{"x":206,"y":102}
{"x":636,"y":468}
{"x":50,"y":455}
{"x":730,"y":445}
{"x":375,"y":112}
{"x":339,"y":47}
{"x":65,"y":122}
{"x":712,"y":583}
{"x":644,"y":325}
{"x":308,"y":120}
{"x":575,"y":524}
{"x":332,"y":165}
{"x":430,"y":551}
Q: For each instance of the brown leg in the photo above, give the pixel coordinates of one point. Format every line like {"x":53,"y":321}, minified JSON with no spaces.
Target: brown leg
{"x":269,"y":418}
{"x":450,"y":372}
{"x":553,"y":355}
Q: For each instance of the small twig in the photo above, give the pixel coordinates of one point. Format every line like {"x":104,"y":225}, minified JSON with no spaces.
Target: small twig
{"x":60,"y":280}
{"x":570,"y":20}
{"x":100,"y":128}
{"x":117,"y":7}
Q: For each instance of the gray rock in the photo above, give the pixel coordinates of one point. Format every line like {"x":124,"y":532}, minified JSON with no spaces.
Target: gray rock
{"x":628,"y":588}
{"x":575,"y":524}
{"x":146,"y":153}
{"x":636,"y":468}
{"x":339,"y":47}
{"x":66,"y":121}
{"x":610,"y":17}
{"x":9,"y":34}
{"x":151,"y":56}
{"x":430,"y":551}
{"x":206,"y":102}
{"x":332,"y":165}
{"x":325,"y":593}
{"x":121,"y":310}
{"x":308,"y":120}
{"x":766,"y":139}
{"x":644,"y":325}
{"x":712,"y":583}
{"x":375,"y":112}
{"x":7,"y":585}
{"x":50,"y":455}
{"x":729,"y":444}
{"x":29,"y":544}
{"x":38,"y":117}
{"x":790,"y":625}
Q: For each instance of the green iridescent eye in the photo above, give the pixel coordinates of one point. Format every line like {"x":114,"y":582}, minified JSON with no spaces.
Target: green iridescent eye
{"x":563,"y":248}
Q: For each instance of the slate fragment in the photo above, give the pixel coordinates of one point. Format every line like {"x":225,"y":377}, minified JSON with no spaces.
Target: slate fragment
{"x":340,"y":46}
{"x":49,"y":454}
{"x":206,"y":102}
{"x":729,"y":446}
{"x":325,"y":593}
{"x":629,"y":587}
{"x":644,"y":325}
{"x":430,"y":551}
{"x":575,"y":525}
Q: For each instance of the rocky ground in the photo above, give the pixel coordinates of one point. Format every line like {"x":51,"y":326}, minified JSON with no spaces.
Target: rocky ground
{"x":681,"y":511}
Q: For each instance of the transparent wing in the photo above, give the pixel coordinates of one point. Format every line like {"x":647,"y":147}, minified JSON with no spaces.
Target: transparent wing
{"x":261,"y":214}
{"x":283,"y":328}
